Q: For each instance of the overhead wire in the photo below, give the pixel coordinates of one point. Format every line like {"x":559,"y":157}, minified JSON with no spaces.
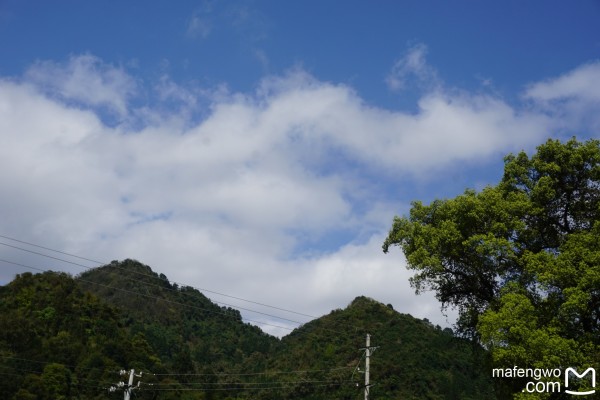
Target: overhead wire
{"x":50,"y":249}
{"x":101,"y":263}
{"x":172,"y":302}
{"x":249,"y":385}
{"x":190,"y":306}
{"x":146,"y":283}
{"x":148,"y":296}
{"x":300,"y":371}
{"x":75,"y":369}
{"x":213,"y":374}
{"x":245,"y":383}
{"x":88,"y":386}
{"x":211,"y":385}
{"x":242,"y":388}
{"x":169,"y":386}
{"x":52,"y":362}
{"x":207,"y":386}
{"x":299,"y":323}
{"x":219,"y":374}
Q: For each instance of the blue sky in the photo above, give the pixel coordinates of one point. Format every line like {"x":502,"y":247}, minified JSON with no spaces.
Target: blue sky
{"x":262,"y":148}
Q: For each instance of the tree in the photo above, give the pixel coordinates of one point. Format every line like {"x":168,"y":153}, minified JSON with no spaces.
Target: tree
{"x":519,"y":260}
{"x":56,"y":381}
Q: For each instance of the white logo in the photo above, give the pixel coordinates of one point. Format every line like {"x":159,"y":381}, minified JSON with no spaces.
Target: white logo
{"x":572,"y":370}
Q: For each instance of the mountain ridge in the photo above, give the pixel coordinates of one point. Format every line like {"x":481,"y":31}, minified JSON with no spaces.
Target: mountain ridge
{"x":124,"y":315}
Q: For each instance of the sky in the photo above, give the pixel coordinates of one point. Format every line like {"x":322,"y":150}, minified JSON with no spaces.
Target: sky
{"x":261,"y":149}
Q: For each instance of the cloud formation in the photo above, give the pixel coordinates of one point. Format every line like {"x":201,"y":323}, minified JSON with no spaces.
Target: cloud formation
{"x":276,"y":195}
{"x":413,"y":67}
{"x":581,"y":83}
{"x":85,"y":79}
{"x":575,"y":96}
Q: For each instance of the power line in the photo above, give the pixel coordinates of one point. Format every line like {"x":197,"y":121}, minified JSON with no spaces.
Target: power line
{"x":169,"y":301}
{"x":157,"y":386}
{"x":42,"y":372}
{"x":45,"y":255}
{"x":218,"y":375}
{"x":246,"y":383}
{"x":143,"y":283}
{"x":147,"y":283}
{"x":24,"y":266}
{"x":141,"y":273}
{"x":281,"y":386}
{"x":149,"y":296}
{"x":215,"y":374}
{"x":88,"y":386}
{"x":156,"y":277}
{"x":323,"y":329}
{"x":49,"y":249}
{"x":169,"y":386}
{"x":301,"y":371}
{"x":55,"y":362}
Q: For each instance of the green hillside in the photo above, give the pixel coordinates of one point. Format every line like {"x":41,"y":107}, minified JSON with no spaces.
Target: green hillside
{"x":413,"y":359}
{"x":67,"y":338}
{"x":180,"y":323}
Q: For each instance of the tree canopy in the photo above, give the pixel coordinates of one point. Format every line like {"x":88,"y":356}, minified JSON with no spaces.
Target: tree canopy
{"x":66,"y":338}
{"x":520,"y":260}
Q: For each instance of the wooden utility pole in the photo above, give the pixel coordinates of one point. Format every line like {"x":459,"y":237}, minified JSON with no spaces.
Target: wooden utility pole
{"x":367,"y":367}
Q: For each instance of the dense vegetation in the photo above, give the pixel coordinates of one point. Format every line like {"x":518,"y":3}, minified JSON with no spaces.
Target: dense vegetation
{"x":413,"y":359}
{"x":520,"y":260}
{"x":67,"y":338}
{"x":180,"y":323}
{"x":57,"y":342}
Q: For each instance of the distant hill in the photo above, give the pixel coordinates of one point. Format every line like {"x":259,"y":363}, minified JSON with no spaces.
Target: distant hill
{"x":177,"y":321}
{"x":414,"y":359}
{"x":66,"y":338}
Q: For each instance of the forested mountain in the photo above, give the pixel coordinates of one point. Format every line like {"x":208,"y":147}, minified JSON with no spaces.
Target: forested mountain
{"x":180,"y":323}
{"x":67,"y":338}
{"x":413,"y":358}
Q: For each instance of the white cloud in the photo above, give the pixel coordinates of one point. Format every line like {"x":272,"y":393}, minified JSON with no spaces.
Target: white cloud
{"x":86,"y":79}
{"x":168,"y":90}
{"x":581,"y":83}
{"x":413,"y":67}
{"x":575,"y":96}
{"x":448,"y":127}
{"x":231,"y":202}
{"x":42,"y":158}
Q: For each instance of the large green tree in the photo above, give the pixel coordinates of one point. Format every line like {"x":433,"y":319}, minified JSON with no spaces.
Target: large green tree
{"x":520,"y":261}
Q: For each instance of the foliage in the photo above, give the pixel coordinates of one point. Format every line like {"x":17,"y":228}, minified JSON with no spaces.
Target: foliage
{"x":176,"y":320}
{"x":520,"y":260}
{"x":58,"y":340}
{"x":47,"y":317}
{"x":413,"y":359}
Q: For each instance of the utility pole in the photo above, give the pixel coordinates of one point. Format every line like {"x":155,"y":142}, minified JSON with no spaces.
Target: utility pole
{"x":127,"y":393}
{"x":367,"y":367}
{"x":129,"y":387}
{"x":368,"y":351}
